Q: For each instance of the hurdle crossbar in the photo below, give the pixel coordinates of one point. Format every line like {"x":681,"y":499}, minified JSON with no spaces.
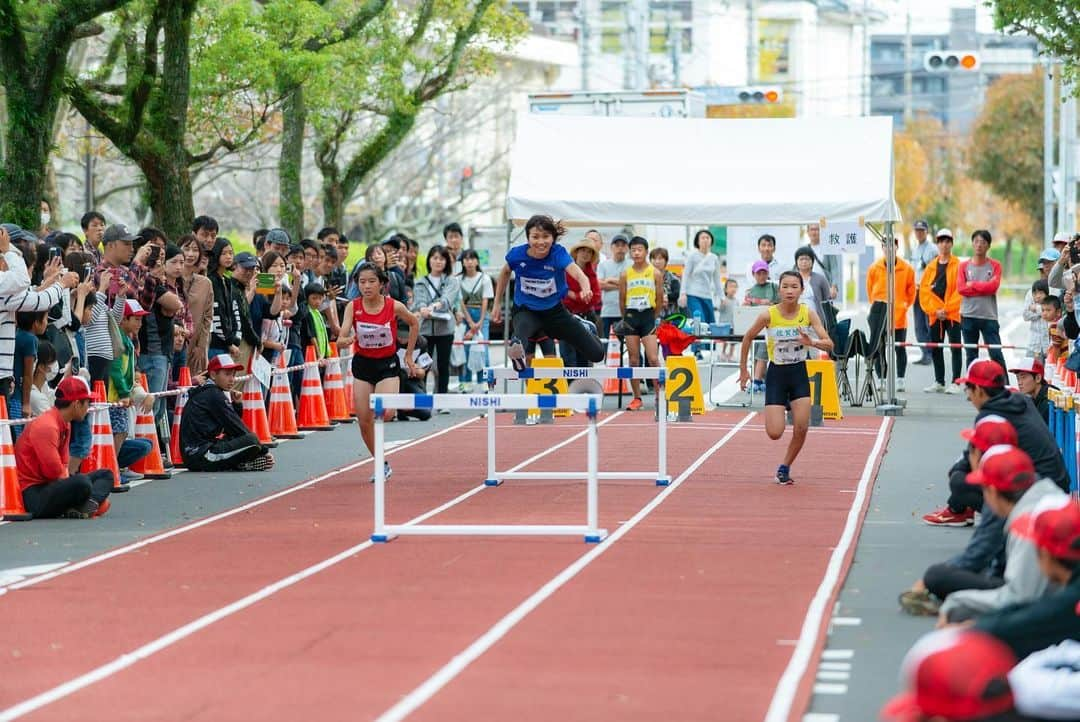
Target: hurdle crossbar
{"x":589,"y":403}
{"x":654,"y":373}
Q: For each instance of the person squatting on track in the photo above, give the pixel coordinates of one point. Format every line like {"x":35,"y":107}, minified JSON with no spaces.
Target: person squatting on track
{"x":640,"y":287}
{"x":41,"y":456}
{"x":786,"y":381}
{"x":540,"y":268}
{"x":213,"y":437}
{"x":373,"y":335}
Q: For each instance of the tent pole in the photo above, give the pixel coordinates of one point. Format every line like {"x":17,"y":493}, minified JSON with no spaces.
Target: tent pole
{"x":889,"y":406}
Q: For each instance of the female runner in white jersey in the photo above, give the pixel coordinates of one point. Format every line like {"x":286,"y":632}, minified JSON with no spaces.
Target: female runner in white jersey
{"x":787,"y":384}
{"x":373,"y":335}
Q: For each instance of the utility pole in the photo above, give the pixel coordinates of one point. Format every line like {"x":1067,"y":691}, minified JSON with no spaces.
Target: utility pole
{"x":908,"y":59}
{"x":641,"y":49}
{"x":866,"y":57}
{"x":1049,"y":101}
{"x":584,"y":42}
{"x":88,"y":170}
{"x":751,"y":42}
{"x":1066,"y":133}
{"x":629,"y":37}
{"x":674,"y":43}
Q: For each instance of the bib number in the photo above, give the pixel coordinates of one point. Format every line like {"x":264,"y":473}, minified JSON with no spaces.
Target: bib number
{"x":539,"y":287}
{"x":371,"y":336}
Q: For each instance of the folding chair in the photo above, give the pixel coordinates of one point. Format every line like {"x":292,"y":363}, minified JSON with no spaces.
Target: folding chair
{"x":874,"y":353}
{"x":843,"y":341}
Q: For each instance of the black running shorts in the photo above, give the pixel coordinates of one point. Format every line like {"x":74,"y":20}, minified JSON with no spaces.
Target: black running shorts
{"x":374,"y":370}
{"x":643,"y":323}
{"x":786,"y":382}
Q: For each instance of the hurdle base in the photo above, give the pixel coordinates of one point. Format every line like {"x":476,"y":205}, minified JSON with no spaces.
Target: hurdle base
{"x":664,"y":481}
{"x":492,"y":482}
{"x":156,"y":476}
{"x":383,"y":538}
{"x":599,"y":536}
{"x":17,"y":516}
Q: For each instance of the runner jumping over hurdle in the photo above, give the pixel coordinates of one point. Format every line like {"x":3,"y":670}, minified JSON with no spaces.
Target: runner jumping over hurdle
{"x":373,"y":335}
{"x":540,"y":268}
{"x":786,"y":381}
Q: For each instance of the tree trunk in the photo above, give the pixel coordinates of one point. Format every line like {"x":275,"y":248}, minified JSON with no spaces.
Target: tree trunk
{"x":291,"y":164}
{"x":29,"y":141}
{"x":168,"y":181}
{"x":339,"y":190}
{"x":333,"y":201}
{"x":1006,"y":261}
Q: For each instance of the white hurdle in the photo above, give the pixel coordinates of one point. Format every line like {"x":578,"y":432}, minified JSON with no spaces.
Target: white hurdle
{"x":599,"y":373}
{"x":589,"y":403}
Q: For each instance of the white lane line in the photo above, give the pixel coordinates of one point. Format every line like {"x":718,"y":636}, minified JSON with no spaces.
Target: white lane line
{"x":836,"y":666}
{"x":217,"y":517}
{"x":837,"y":654}
{"x":18,"y":574}
{"x":827,"y":676}
{"x":845,"y":621}
{"x":415,"y":699}
{"x":127,"y":660}
{"x":830,"y":688}
{"x":820,"y":717}
{"x":780,"y":707}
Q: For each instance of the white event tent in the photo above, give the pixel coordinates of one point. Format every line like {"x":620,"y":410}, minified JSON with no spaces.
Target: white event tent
{"x":589,"y":170}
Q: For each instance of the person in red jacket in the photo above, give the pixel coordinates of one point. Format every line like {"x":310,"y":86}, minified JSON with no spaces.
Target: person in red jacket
{"x":584,"y":254}
{"x":977,"y":283}
{"x":41,"y":456}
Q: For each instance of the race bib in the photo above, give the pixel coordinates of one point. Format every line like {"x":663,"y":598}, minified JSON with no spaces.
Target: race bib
{"x":638,"y":303}
{"x":370,"y":335}
{"x":539,"y":287}
{"x":787,"y":346}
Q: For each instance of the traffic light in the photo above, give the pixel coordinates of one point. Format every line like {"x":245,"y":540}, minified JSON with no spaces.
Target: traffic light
{"x":466,"y":183}
{"x":766,"y":94}
{"x":947,"y":61}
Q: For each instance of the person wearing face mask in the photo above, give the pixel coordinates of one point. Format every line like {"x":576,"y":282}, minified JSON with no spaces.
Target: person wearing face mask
{"x":42,"y":393}
{"x":46,"y":218}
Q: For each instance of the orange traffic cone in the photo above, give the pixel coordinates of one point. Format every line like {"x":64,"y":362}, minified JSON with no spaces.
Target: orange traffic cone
{"x":347,"y":379}
{"x":102,"y":451}
{"x":151,"y":466}
{"x":282,"y":414}
{"x":614,"y":360}
{"x":334,"y":391}
{"x":313,"y":416}
{"x":254,"y":415}
{"x":184,"y":382}
{"x":11,"y":503}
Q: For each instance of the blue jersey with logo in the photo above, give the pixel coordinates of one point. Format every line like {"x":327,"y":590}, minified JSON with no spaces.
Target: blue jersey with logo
{"x":539,"y":283}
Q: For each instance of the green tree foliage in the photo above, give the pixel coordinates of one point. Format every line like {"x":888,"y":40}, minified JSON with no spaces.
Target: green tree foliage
{"x":35,"y":38}
{"x":182,"y":83}
{"x":1006,"y":150}
{"x":411,"y":54}
{"x":1056,"y":24}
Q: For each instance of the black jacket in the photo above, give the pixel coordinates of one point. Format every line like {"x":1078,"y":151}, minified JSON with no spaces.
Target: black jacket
{"x":1033,"y":433}
{"x":208,"y":414}
{"x":1042,"y":403}
{"x":1049,"y":620}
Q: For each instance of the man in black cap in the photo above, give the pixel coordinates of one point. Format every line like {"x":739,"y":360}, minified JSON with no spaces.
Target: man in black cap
{"x":609,"y":271}
{"x":922,"y":255}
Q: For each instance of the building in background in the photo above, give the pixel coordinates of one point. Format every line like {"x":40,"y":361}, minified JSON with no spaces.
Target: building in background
{"x":953,"y":97}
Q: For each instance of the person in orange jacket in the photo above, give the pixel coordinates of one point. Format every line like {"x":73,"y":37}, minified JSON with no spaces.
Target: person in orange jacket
{"x":877,"y":292}
{"x":941,"y":301}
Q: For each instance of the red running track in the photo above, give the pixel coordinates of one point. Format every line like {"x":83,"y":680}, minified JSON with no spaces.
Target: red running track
{"x":668,"y":622}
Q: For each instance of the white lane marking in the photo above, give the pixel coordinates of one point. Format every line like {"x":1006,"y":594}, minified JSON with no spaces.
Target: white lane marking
{"x":18,"y":574}
{"x":836,"y":666}
{"x":833,"y":676}
{"x":820,"y":717}
{"x":780,"y":707}
{"x":830,"y":688}
{"x":217,"y":517}
{"x":431,"y":686}
{"x":845,"y":621}
{"x":836,"y":654}
{"x":126,"y":660}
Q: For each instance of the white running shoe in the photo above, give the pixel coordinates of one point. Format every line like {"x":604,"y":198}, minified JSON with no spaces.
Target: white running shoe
{"x":935,"y":388}
{"x":900,"y":386}
{"x":953,"y":389}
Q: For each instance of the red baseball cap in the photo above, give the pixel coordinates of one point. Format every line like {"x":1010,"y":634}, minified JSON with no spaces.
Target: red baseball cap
{"x":73,"y":388}
{"x":985,"y":373}
{"x":990,"y":431}
{"x":1004,"y":467}
{"x":223,"y":362}
{"x":134,"y":308}
{"x":1028,"y":366}
{"x":1053,"y":525}
{"x":958,"y":674}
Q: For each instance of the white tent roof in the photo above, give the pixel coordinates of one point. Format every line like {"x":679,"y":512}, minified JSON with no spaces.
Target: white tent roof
{"x":681,"y":171}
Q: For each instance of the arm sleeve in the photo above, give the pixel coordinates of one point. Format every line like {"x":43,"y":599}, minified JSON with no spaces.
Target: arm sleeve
{"x":987,"y":288}
{"x":1028,"y":314}
{"x":962,"y":286}
{"x":1054,"y":279}
{"x":688,"y":268}
{"x":16,"y":279}
{"x":230,"y":419}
